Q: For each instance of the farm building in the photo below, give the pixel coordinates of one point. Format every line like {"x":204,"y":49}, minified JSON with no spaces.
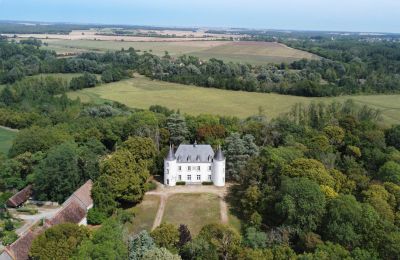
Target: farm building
{"x":20,"y":197}
{"x":194,"y":164}
{"x":73,"y":210}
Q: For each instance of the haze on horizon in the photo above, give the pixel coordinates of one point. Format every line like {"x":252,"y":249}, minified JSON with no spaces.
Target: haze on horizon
{"x":327,"y":15}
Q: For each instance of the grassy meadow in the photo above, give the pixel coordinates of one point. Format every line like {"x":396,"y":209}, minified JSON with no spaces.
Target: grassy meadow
{"x":6,"y":139}
{"x":194,"y":210}
{"x":145,"y":214}
{"x":141,"y":92}
{"x":244,"y":52}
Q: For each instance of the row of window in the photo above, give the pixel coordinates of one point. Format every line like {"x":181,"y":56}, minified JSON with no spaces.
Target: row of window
{"x":190,"y":168}
{"x":189,"y":177}
{"x":194,"y":168}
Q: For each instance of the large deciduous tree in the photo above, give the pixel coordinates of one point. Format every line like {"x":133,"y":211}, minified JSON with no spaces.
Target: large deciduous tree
{"x":177,"y":128}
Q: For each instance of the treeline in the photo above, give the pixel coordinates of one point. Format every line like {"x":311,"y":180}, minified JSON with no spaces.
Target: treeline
{"x":322,"y":180}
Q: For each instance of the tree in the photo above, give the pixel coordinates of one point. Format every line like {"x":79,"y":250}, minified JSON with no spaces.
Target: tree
{"x":390,"y":172}
{"x":128,"y":176}
{"x":139,"y":244}
{"x":311,"y":169}
{"x":58,"y":175}
{"x":37,"y":139}
{"x":393,"y":136}
{"x":224,"y":240}
{"x":199,"y":248}
{"x":254,"y":238}
{"x":184,"y":235}
{"x":237,"y":151}
{"x":177,"y":128}
{"x":106,"y":243}
{"x":58,"y":242}
{"x":166,"y":235}
{"x":142,"y":149}
{"x":301,"y":203}
{"x":160,"y":254}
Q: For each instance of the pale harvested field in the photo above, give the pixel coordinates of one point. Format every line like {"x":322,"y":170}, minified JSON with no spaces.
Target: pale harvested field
{"x":244,"y":52}
{"x":142,"y":92}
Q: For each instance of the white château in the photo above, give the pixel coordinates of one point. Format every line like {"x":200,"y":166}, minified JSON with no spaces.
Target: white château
{"x":194,"y":164}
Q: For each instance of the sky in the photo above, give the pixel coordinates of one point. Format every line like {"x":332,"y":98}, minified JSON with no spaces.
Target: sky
{"x":327,"y":15}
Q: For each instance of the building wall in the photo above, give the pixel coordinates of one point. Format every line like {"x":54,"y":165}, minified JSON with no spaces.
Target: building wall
{"x":206,"y":170}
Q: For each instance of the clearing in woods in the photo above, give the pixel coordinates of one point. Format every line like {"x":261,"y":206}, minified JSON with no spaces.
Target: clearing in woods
{"x":142,"y":92}
{"x":6,"y":139}
{"x":244,"y":52}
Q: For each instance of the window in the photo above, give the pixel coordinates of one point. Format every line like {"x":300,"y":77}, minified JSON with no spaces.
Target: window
{"x":167,"y":164}
{"x":209,"y":177}
{"x":189,"y":168}
{"x":180,"y":177}
{"x":198,"y":177}
{"x":167,"y":171}
{"x":167,"y":181}
{"x":189,"y":177}
{"x":180,"y":168}
{"x":198,"y":168}
{"x":209,"y":168}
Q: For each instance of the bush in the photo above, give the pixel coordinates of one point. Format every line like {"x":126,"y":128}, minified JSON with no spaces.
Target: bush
{"x":9,"y":237}
{"x":30,"y":211}
{"x":95,"y":217}
{"x":150,"y":186}
{"x":180,"y":183}
{"x":207,"y":183}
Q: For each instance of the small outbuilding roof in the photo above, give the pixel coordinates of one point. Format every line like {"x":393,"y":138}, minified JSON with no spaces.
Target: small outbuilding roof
{"x":20,"y":197}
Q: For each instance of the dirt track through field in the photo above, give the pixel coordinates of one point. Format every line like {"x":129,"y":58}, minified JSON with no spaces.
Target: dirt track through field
{"x":164,"y":192}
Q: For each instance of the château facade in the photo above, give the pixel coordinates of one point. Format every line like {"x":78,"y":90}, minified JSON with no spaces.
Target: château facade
{"x":194,"y":164}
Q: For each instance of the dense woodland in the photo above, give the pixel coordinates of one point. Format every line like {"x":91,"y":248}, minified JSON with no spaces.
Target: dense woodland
{"x":321,"y":182}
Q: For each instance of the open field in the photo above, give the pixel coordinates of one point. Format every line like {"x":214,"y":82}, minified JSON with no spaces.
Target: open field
{"x":142,"y":92}
{"x":194,"y":210}
{"x":244,"y":52}
{"x":145,"y":213}
{"x":6,"y":139}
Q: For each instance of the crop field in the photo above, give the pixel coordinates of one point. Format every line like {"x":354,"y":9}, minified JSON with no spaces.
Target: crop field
{"x":141,"y":92}
{"x":194,"y":210}
{"x":6,"y":139}
{"x":245,"y":52}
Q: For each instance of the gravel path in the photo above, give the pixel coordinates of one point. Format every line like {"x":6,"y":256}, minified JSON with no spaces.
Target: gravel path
{"x":164,"y":192}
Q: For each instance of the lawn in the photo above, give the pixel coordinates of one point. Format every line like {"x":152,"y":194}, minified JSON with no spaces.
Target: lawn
{"x":244,"y":52}
{"x":194,"y":210}
{"x":141,"y":92}
{"x":145,"y":213}
{"x":6,"y":139}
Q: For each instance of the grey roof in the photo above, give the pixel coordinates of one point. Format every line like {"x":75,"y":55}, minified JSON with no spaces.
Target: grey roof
{"x":219,"y":156}
{"x":202,"y":153}
{"x":170,"y":155}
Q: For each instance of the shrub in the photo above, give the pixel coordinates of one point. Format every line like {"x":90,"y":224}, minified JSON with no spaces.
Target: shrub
{"x":180,"y":183}
{"x":150,"y":186}
{"x":30,"y":211}
{"x":95,"y":217}
{"x":207,"y":183}
{"x":9,"y":237}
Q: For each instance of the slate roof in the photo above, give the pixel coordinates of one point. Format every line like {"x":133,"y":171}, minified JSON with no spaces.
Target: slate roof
{"x":219,"y":156}
{"x":200,"y":153}
{"x":20,"y":197}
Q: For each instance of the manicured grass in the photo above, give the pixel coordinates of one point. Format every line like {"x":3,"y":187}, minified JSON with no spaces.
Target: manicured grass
{"x":6,"y":140}
{"x":145,"y":213}
{"x":141,"y":92}
{"x":244,"y":52}
{"x":194,"y":210}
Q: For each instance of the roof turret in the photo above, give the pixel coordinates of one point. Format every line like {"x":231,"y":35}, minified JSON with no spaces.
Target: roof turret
{"x":219,"y":156}
{"x":171,"y":154}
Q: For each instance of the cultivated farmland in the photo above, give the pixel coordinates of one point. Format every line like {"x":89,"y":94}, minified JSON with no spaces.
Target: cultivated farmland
{"x":141,"y":92}
{"x":244,"y":52}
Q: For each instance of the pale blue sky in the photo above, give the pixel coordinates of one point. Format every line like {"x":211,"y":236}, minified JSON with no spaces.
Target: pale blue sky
{"x":341,"y":15}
